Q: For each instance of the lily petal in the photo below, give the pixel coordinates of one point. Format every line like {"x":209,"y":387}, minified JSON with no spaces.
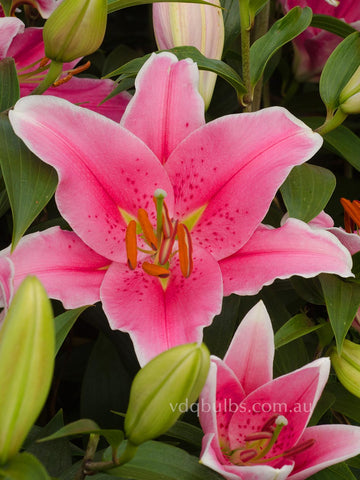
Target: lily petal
{"x":9,"y":28}
{"x":292,"y":395}
{"x":293,"y":249}
{"x":167,"y":106}
{"x":69,"y":270}
{"x":6,"y":281}
{"x":159,"y":319}
{"x":89,"y":195}
{"x":351,"y":241}
{"x":252,"y":360}
{"x":333,"y":444}
{"x":233,"y":166}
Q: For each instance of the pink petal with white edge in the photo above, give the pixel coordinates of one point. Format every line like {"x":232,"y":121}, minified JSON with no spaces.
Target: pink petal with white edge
{"x":323,"y":220}
{"x":156,"y":319}
{"x":293,"y":249}
{"x":333,"y":444}
{"x":167,"y":106}
{"x":96,"y":176}
{"x":9,"y":28}
{"x":234,"y":166}
{"x":233,"y":472}
{"x":251,"y":352}
{"x":229,"y":394}
{"x":89,"y":93}
{"x":6,"y":281}
{"x":45,"y":7}
{"x":293,"y":396}
{"x":351,"y":241}
{"x":70,"y":271}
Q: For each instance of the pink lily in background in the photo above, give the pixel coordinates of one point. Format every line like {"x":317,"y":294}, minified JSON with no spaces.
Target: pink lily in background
{"x":200,"y":26}
{"x":314,"y":46}
{"x":26,"y":47}
{"x":174,"y":205}
{"x":254,"y":425}
{"x":44,"y":7}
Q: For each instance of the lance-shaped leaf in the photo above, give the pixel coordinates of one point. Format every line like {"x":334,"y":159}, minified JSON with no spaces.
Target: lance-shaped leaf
{"x":333,"y":25}
{"x":6,"y":5}
{"x":29,"y":182}
{"x":26,"y":364}
{"x":342,"y":302}
{"x":23,"y":467}
{"x":9,"y":84}
{"x":63,"y":324}
{"x":296,"y":327}
{"x":283,"y":31}
{"x":307,"y":190}
{"x":338,"y":70}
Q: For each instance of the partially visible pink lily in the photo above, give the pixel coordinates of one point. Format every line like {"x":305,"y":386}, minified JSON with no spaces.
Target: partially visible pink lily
{"x":255,"y":427}
{"x":314,"y":46}
{"x":172,"y":203}
{"x":26,"y":47}
{"x":44,"y":7}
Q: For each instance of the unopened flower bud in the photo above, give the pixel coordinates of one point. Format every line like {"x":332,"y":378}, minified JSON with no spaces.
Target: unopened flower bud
{"x":347,"y":366}
{"x":160,"y":390}
{"x":27,"y":346}
{"x":350,"y":95}
{"x":196,"y":25}
{"x":75,"y":29}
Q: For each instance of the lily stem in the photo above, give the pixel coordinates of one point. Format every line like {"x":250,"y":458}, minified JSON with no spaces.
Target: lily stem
{"x":54,"y":72}
{"x":245,"y":52}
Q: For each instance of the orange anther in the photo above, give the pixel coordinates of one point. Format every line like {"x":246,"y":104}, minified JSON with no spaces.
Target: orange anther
{"x":44,"y":61}
{"x":71,"y":73}
{"x":155,"y":270}
{"x":185,"y":250}
{"x":167,"y":246}
{"x":130,"y":242}
{"x":351,"y":214}
{"x":168,"y":228}
{"x":147,"y":229}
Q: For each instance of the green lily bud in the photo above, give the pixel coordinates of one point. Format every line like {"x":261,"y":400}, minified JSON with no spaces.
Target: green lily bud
{"x":75,"y":29}
{"x":347,"y":366}
{"x":350,"y":95}
{"x":27,"y":350}
{"x":174,"y":377}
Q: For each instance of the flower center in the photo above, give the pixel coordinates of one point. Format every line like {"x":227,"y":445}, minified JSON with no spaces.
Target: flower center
{"x":351,"y":214}
{"x":36,"y":72}
{"x":160,"y":241}
{"x":258,"y":444}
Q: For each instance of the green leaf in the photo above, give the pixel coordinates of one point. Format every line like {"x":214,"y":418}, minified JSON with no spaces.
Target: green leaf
{"x":332,"y":24}
{"x":345,"y":143}
{"x":29,"y":182}
{"x":155,"y":460}
{"x":64,"y":323}
{"x":255,"y":6}
{"x":282,"y":31}
{"x":339,"y":472}
{"x":131,"y":68}
{"x":187,"y":433}
{"x":307,"y":190}
{"x":231,"y":17}
{"x":296,"y":327}
{"x":342,"y":300}
{"x":114,"y":5}
{"x":6,"y":4}
{"x":338,"y":70}
{"x":24,"y":466}
{"x":9,"y":84}
{"x":85,"y":427}
{"x":346,"y":403}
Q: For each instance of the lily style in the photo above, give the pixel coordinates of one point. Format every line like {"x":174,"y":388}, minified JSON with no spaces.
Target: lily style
{"x":26,"y":47}
{"x":256,"y":426}
{"x":314,"y":46}
{"x":166,"y":210}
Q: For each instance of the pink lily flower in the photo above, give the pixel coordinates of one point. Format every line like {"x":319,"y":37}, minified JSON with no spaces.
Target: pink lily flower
{"x":44,"y":7}
{"x":254,"y":425}
{"x":170,"y":261}
{"x":314,"y":46}
{"x":26,"y":47}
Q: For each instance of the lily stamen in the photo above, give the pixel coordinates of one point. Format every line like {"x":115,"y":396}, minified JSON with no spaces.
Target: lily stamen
{"x":71,"y":73}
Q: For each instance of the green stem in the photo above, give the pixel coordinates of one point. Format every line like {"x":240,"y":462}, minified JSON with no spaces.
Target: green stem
{"x":89,"y":454}
{"x":332,"y":122}
{"x":261,"y":27}
{"x":245,"y":51}
{"x":54,"y":72}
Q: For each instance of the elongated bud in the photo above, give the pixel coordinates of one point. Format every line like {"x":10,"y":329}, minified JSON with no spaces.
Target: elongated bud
{"x":75,"y":29}
{"x":27,"y":350}
{"x":347,"y":366}
{"x":161,"y":389}
{"x":350,"y":95}
{"x":200,"y":26}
